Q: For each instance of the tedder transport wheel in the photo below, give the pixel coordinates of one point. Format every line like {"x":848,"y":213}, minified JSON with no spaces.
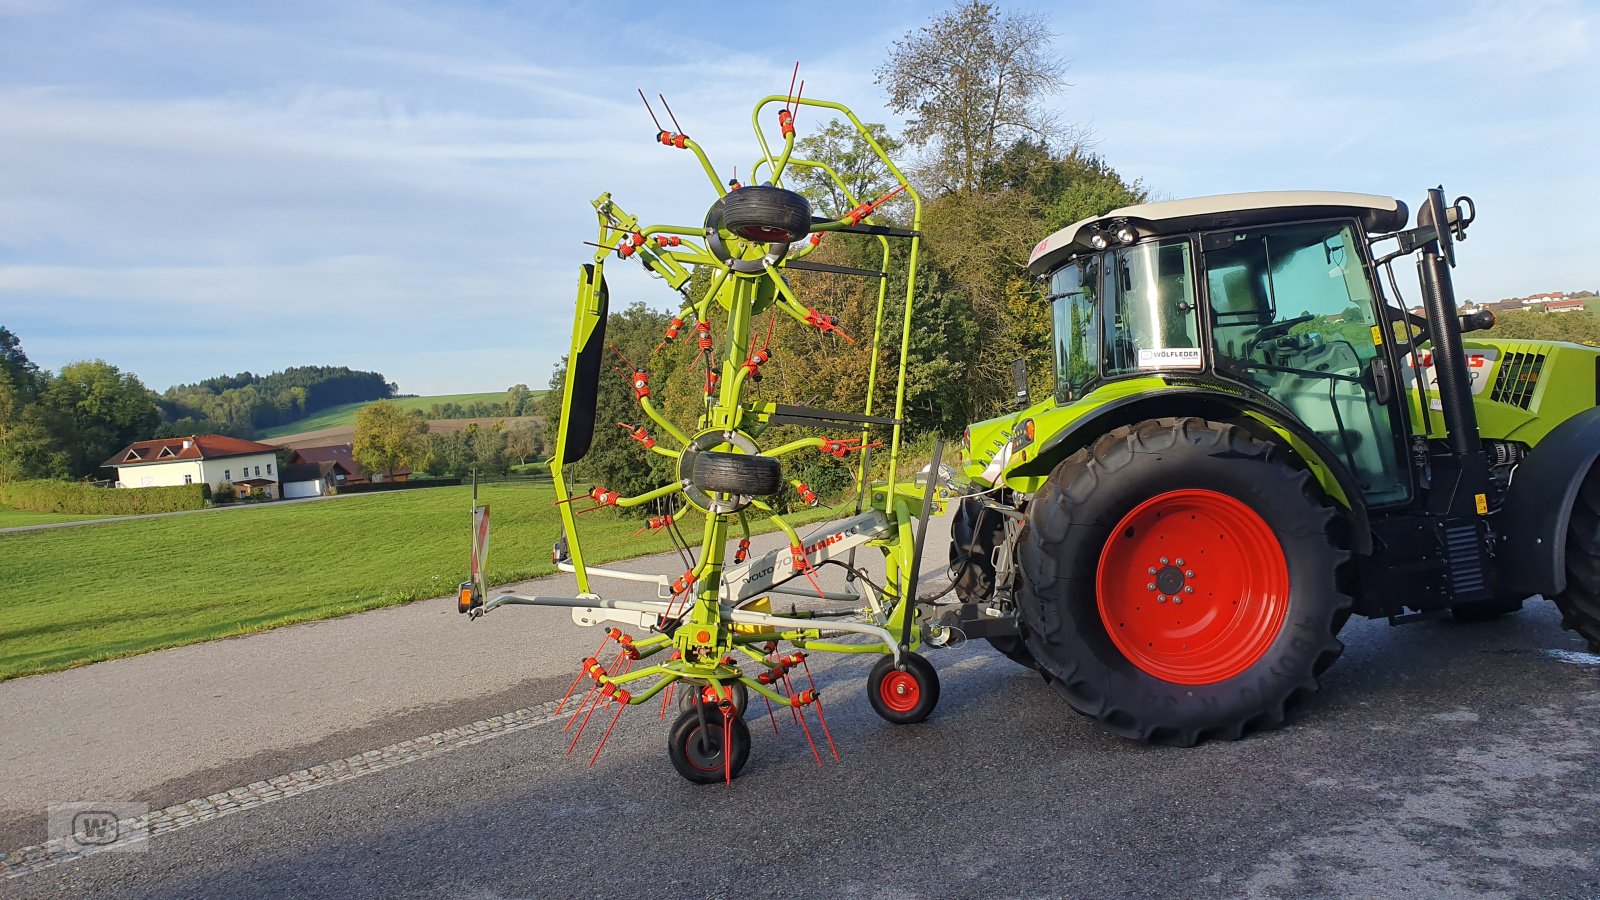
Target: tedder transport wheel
{"x":1180,"y":582}
{"x":766,"y":214}
{"x":738,"y":473}
{"x":973,"y":536}
{"x":903,"y":698}
{"x":1580,"y":602}
{"x":701,"y":760}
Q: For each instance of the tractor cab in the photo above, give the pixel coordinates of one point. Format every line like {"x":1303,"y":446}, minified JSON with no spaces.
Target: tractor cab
{"x":1272,"y":294}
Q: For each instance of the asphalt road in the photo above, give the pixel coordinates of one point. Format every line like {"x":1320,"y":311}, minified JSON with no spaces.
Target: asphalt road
{"x":1440,"y":760}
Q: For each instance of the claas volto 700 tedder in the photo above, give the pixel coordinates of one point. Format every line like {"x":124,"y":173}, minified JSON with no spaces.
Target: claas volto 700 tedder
{"x":1248,"y":441}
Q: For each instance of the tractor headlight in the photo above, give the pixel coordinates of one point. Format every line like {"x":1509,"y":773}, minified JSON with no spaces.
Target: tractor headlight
{"x":1126,"y":235}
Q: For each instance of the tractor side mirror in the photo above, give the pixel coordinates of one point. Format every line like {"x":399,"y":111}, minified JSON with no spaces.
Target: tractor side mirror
{"x":1019,"y":381}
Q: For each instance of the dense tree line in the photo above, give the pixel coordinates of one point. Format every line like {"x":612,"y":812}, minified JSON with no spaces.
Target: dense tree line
{"x":65,"y":424}
{"x":242,"y":404}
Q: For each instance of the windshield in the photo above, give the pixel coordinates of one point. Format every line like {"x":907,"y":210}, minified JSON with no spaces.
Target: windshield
{"x":1147,"y":323}
{"x":1074,"y":288}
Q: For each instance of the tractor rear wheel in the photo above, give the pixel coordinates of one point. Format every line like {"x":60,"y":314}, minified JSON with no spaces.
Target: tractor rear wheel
{"x":1580,"y":602}
{"x":1181,"y":582}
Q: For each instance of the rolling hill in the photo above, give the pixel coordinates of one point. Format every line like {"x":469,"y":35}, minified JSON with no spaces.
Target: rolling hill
{"x":344,"y":415}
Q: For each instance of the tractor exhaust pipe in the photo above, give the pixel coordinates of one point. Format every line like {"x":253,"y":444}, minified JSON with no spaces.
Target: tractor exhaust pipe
{"x":1444,"y":322}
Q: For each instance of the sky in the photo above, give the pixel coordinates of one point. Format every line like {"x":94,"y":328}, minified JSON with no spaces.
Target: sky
{"x":188,"y":190}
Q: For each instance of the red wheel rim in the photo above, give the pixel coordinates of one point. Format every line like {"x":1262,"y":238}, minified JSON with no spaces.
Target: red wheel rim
{"x":1193,"y":587}
{"x":900,"y":691}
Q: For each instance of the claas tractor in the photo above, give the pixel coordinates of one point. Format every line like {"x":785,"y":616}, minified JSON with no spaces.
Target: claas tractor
{"x":1251,"y":438}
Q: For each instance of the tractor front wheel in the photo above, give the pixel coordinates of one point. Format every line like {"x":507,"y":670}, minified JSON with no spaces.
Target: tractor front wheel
{"x":1181,"y":582}
{"x":1580,"y":602}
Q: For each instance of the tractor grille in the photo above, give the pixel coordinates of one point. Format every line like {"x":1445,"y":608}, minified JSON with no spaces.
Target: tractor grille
{"x":1517,"y":377}
{"x":1466,"y":568}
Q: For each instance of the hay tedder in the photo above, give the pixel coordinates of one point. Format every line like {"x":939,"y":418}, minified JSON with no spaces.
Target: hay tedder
{"x":711,"y":635}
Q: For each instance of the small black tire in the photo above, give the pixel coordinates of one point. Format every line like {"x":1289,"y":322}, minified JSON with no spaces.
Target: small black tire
{"x":903,"y":698}
{"x":737,"y":473}
{"x":974,"y":535}
{"x":1580,"y":602}
{"x":766,"y":214}
{"x":1485,"y":610}
{"x":1161,"y":488}
{"x":704,"y":763}
{"x":691,"y":692}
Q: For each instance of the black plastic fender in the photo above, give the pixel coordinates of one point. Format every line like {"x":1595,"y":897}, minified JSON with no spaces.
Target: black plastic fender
{"x":1533,"y":519}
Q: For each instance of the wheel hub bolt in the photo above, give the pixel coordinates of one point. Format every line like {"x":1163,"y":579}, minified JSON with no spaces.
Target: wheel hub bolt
{"x":1189,"y":573}
{"x":1187,"y":589}
{"x":1163,"y":560}
{"x":1161,"y":598}
{"x":1151,"y":570}
{"x":1177,"y":599}
{"x":1178,"y":561}
{"x":1150,"y":586}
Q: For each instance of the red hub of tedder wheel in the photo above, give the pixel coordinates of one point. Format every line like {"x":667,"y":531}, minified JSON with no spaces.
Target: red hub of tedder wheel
{"x":1193,"y":586}
{"x":900,"y":691}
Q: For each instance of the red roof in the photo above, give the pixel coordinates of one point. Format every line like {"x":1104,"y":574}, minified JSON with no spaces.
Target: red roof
{"x":200,"y":446}
{"x":337,"y":453}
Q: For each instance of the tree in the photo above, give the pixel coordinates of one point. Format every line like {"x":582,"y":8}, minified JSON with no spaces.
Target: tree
{"x":972,"y":82}
{"x":841,"y":148}
{"x":522,"y":441}
{"x":389,"y":438}
{"x":92,"y":408}
{"x":520,"y":401}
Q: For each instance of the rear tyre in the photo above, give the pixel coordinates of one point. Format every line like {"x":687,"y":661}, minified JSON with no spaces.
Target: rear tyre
{"x":1186,"y":510}
{"x":1580,"y":602}
{"x":903,"y":698}
{"x":702,"y":761}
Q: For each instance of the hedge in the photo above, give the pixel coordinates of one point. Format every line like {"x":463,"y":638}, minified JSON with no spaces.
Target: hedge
{"x":372,"y":486}
{"x":86,"y":499}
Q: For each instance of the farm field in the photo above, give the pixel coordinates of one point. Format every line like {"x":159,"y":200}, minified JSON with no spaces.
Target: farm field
{"x":345,"y":413}
{"x":345,"y":434}
{"x":72,"y":596}
{"x":17,"y":518}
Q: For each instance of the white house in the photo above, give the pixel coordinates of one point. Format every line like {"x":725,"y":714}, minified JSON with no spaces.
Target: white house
{"x":249,"y":466}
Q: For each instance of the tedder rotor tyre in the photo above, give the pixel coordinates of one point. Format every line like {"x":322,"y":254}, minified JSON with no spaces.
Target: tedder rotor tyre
{"x":903,"y":698}
{"x":1182,"y":509}
{"x":1580,"y":602}
{"x":974,"y":535}
{"x":702,"y":762}
{"x":766,"y":214}
{"x":737,"y":473}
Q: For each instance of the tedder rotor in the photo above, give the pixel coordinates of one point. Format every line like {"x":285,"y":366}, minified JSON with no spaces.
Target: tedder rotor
{"x":711,"y":634}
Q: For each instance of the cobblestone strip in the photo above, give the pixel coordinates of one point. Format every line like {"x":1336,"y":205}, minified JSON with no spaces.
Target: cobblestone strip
{"x":182,"y":815}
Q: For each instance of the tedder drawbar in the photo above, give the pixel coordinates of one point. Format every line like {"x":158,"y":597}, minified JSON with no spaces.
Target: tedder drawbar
{"x":711,"y":634}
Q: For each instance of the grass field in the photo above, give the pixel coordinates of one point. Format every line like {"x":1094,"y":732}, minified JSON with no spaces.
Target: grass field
{"x":16,"y":518}
{"x":345,"y":413}
{"x":70,"y":596}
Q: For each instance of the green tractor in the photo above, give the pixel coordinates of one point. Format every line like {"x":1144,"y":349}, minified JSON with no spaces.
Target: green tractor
{"x":1248,"y":440}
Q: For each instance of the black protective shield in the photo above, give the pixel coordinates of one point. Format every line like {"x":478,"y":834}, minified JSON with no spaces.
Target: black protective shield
{"x":578,"y":429}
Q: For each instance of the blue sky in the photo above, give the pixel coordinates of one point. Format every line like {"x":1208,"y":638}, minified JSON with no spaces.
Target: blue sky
{"x":188,"y":190}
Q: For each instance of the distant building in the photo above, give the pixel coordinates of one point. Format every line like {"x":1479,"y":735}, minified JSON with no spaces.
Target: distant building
{"x":349,"y":471}
{"x":1564,"y":306}
{"x":312,"y":479}
{"x":203,"y":458}
{"x":1544,"y":298}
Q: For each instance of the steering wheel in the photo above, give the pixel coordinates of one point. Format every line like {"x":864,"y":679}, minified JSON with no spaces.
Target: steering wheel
{"x":1279,"y":329}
